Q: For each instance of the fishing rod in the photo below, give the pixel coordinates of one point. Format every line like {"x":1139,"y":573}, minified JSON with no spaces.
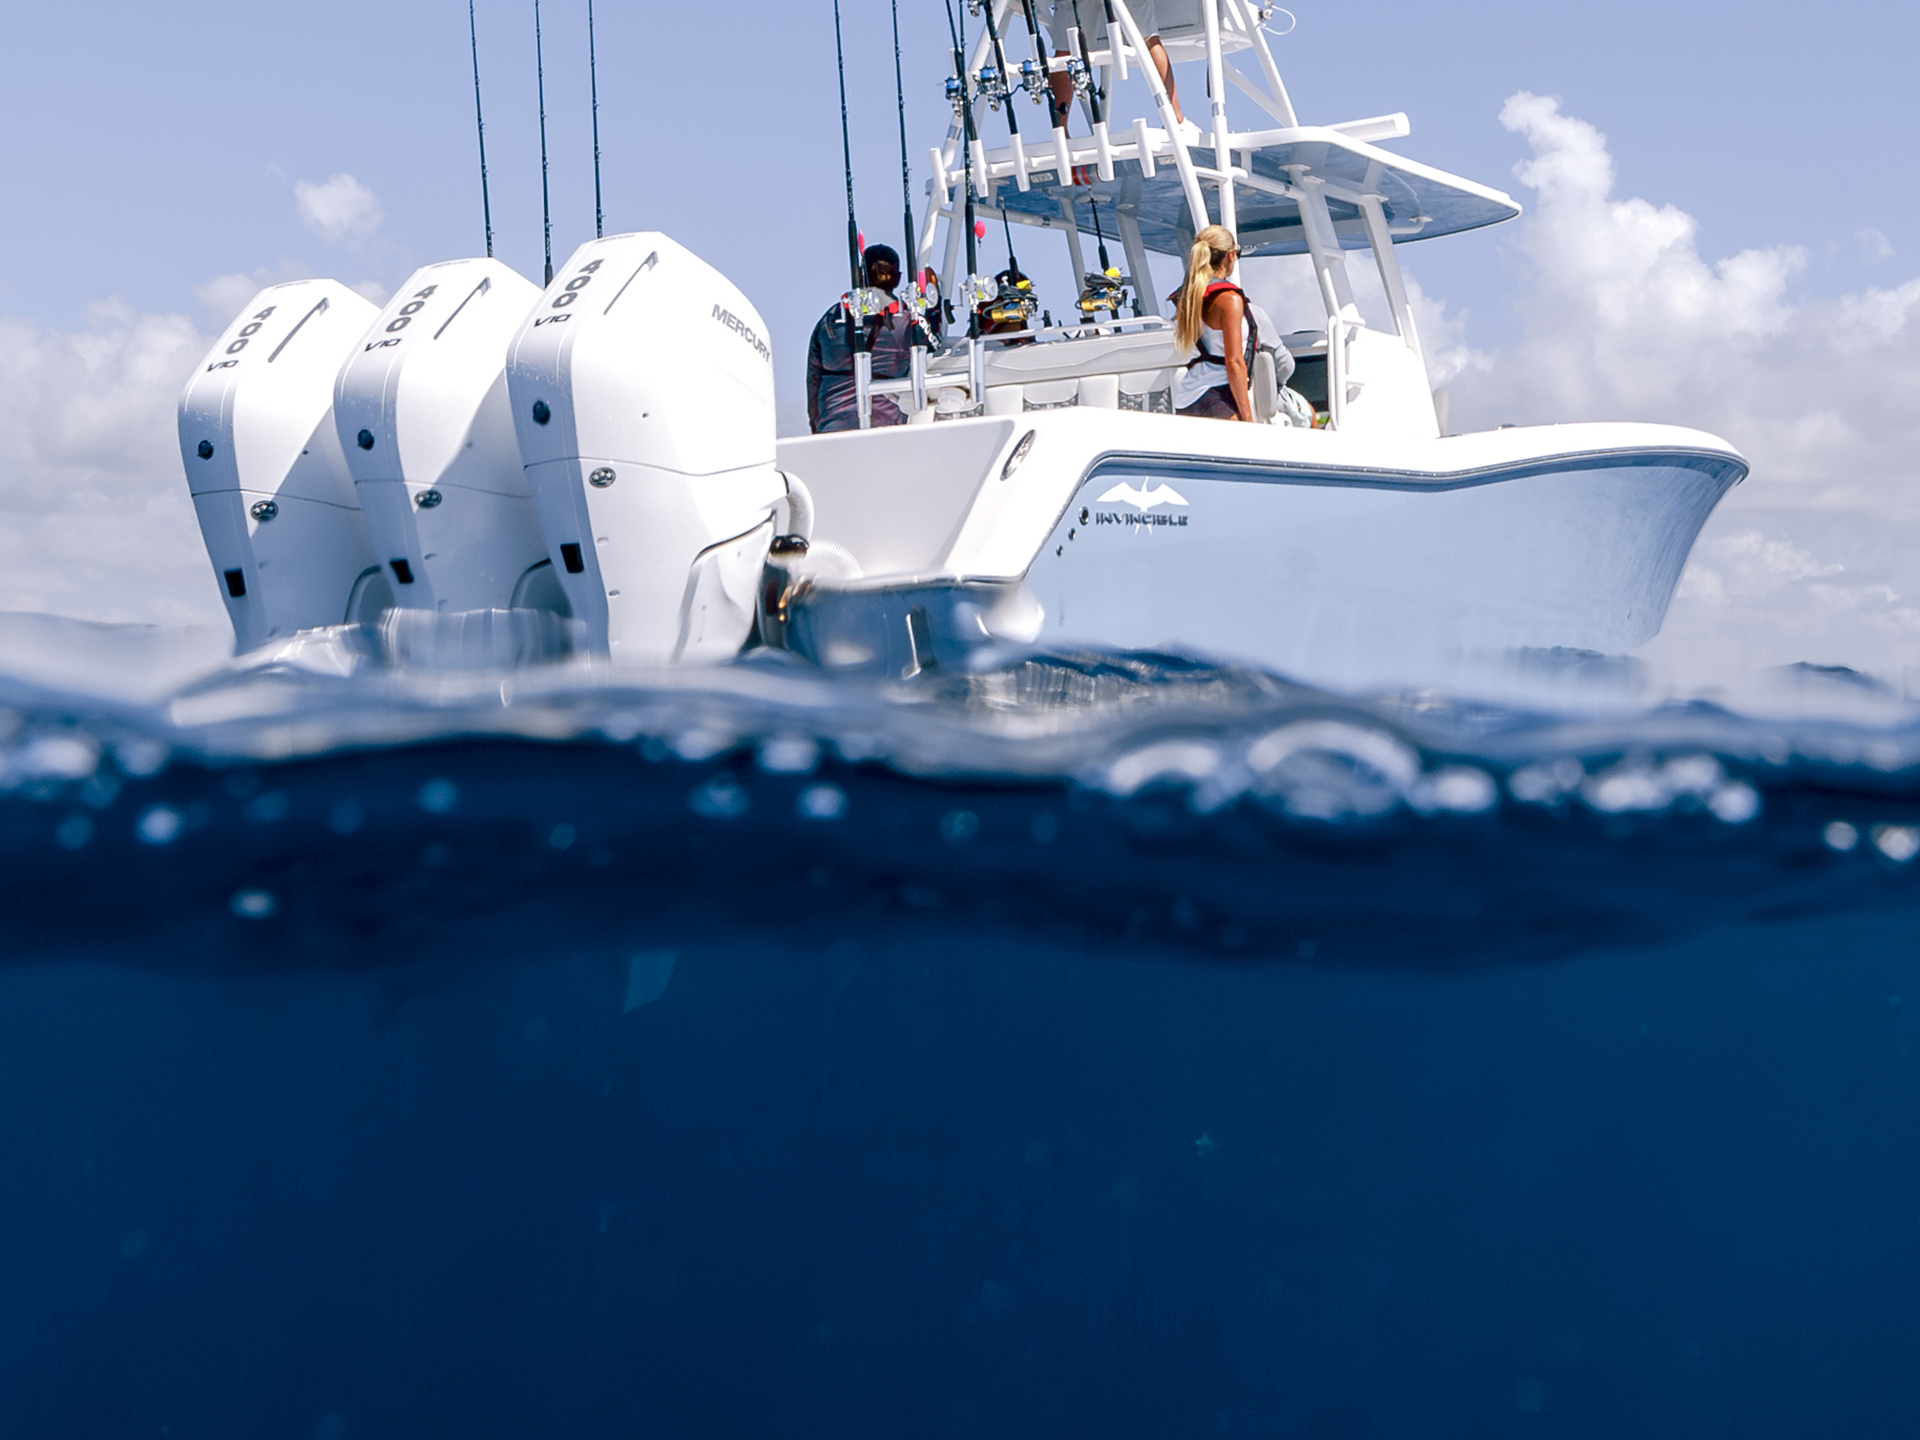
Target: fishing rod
{"x":540,"y":72}
{"x":1001,"y":89}
{"x":1042,"y":76}
{"x":480,"y":123}
{"x":856,"y":330}
{"x":593,"y":84}
{"x":977,"y":365}
{"x":1094,"y":107}
{"x":918,"y":334}
{"x":906,"y":170}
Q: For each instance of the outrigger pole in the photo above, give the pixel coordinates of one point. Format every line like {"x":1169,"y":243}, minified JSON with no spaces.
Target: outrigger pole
{"x":593,"y":84}
{"x":540,"y":74}
{"x":480,"y":123}
{"x":856,"y":328}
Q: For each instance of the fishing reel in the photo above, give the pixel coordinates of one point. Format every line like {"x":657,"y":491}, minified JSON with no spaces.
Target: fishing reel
{"x":978,"y":292}
{"x":1012,"y":306}
{"x":1081,"y":76}
{"x":992,"y":86}
{"x":866,"y":302}
{"x":922,"y":300}
{"x":1104,"y":291}
{"x":1034,"y":80}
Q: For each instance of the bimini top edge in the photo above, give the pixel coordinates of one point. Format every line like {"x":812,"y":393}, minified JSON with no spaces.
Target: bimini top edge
{"x":1418,"y":201}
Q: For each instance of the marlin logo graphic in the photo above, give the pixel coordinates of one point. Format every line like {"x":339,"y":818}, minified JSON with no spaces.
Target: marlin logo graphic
{"x":1144,"y":499}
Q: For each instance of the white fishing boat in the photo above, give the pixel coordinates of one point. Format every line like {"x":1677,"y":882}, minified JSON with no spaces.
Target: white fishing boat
{"x":1075,"y":509}
{"x":1043,"y":492}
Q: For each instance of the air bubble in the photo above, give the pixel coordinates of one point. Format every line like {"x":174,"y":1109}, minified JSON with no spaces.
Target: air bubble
{"x":437,"y":797}
{"x":822,"y":802}
{"x":721,"y":798}
{"x":160,"y":825}
{"x":254,"y":904}
{"x":1899,"y":843}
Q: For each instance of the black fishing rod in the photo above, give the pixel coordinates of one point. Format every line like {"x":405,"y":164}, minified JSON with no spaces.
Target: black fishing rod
{"x":976,"y":355}
{"x":1093,"y":199}
{"x":968,"y":136}
{"x":912,"y":253}
{"x":846,"y":155}
{"x":1054,"y":112}
{"x":540,"y":73}
{"x":593,"y":84}
{"x":1094,"y":107}
{"x":1000,"y":60}
{"x":856,"y":326}
{"x":480,"y":123}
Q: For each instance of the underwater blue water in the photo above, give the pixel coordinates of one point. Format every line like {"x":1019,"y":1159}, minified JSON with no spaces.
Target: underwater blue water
{"x":1091,"y":1046}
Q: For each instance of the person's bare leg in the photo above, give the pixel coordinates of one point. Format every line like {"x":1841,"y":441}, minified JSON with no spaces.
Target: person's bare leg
{"x":1165,"y":67}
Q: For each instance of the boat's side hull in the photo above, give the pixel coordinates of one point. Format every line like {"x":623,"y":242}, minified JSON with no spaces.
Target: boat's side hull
{"x":1329,"y":563}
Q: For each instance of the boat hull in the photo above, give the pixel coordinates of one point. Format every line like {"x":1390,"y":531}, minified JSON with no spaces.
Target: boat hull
{"x":1339,"y":563}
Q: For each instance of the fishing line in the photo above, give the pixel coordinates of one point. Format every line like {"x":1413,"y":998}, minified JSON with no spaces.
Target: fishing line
{"x":480,"y":123}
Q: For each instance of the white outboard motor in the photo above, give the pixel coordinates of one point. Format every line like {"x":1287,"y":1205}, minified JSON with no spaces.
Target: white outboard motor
{"x":276,"y":502}
{"x":642,"y":389}
{"x":422,"y":413}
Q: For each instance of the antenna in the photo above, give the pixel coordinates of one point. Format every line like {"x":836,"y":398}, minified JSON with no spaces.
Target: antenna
{"x":480,"y":123}
{"x":593,"y":80}
{"x":912,"y":253}
{"x":540,"y":72}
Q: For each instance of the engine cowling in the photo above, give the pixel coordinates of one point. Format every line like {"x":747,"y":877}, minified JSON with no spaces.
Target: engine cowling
{"x":642,"y":392}
{"x":423,"y":418}
{"x":276,"y":502}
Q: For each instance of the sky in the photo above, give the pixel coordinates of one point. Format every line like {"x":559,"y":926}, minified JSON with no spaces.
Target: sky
{"x":1715,"y":234}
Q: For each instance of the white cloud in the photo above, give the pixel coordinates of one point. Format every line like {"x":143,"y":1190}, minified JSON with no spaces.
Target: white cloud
{"x":338,"y":208}
{"x":94,"y":516}
{"x":1626,"y":320}
{"x":1874,"y":245}
{"x":225,"y":296}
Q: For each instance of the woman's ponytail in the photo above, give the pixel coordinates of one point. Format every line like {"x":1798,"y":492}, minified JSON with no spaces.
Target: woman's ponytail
{"x":1210,"y":247}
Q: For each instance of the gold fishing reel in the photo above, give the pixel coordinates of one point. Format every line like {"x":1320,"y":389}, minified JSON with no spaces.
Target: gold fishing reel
{"x":1105,"y":292}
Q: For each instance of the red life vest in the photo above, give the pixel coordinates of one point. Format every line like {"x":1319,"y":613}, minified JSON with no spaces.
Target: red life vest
{"x":1252,"y":327}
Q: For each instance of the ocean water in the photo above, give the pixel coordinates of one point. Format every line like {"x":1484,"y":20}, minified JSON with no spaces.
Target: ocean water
{"x":1088,"y":1045}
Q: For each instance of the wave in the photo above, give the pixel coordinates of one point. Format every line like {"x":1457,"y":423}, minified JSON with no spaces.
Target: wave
{"x":308,"y":807}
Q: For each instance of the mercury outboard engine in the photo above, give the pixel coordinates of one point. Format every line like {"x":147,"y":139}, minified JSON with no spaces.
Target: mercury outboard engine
{"x":276,"y":503}
{"x":422,"y":413}
{"x":642,"y":389}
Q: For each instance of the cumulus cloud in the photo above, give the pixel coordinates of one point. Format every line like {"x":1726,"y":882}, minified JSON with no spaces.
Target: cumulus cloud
{"x":338,"y":208}
{"x":1625,"y":319}
{"x":94,"y":516}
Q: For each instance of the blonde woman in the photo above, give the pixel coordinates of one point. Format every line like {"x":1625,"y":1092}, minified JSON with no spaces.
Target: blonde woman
{"x":1212,"y":317}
